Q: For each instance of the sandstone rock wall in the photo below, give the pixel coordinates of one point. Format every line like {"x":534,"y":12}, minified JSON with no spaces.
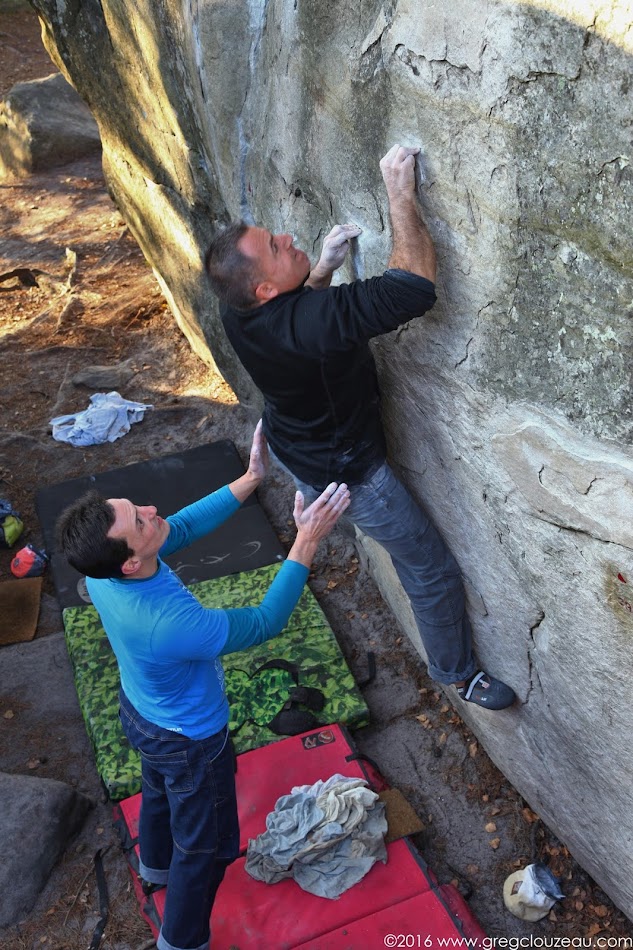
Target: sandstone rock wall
{"x":508,"y":408}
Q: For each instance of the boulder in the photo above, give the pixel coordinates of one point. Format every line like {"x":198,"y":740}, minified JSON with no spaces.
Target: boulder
{"x":38,"y":817}
{"x":105,"y":378}
{"x":44,"y":123}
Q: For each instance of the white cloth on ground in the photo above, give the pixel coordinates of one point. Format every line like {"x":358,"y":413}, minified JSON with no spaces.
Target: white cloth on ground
{"x":106,"y":419}
{"x":327,"y":836}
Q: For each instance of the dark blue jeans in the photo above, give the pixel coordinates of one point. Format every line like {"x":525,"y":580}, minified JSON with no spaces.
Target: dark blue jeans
{"x":188,"y":828}
{"x":383,"y":509}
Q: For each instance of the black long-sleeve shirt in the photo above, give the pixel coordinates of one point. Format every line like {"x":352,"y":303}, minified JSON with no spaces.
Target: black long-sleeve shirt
{"x":307,"y":351}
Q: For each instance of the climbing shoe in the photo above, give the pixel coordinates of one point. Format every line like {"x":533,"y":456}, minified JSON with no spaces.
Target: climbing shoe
{"x":486,"y":691}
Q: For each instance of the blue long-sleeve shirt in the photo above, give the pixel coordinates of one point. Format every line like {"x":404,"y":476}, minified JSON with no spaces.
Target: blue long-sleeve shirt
{"x":168,"y":645}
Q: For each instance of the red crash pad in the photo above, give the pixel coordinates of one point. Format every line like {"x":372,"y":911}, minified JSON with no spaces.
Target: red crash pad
{"x":249,"y":915}
{"x":421,"y":921}
{"x":400,"y":897}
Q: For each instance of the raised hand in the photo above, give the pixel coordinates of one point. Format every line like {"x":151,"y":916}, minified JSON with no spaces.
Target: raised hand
{"x":259,"y":461}
{"x":315,"y":522}
{"x":398,"y":171}
{"x":335,"y":247}
{"x":413,"y":248}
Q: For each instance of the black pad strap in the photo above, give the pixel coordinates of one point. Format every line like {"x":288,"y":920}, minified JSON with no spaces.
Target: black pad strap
{"x":291,"y":721}
{"x":291,"y":668}
{"x":102,"y":888}
{"x":128,"y":843}
{"x":308,"y":696}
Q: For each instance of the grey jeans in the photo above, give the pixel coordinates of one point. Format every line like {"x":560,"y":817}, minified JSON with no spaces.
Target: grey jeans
{"x":383,"y":509}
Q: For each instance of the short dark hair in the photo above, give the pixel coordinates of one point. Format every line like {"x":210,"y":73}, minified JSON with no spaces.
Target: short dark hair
{"x":232,"y":275}
{"x":82,"y":533}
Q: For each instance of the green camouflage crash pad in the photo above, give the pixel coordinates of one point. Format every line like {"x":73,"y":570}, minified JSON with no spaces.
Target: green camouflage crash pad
{"x":255,"y":695}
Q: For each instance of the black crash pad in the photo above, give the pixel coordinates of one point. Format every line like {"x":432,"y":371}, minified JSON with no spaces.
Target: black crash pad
{"x":245,"y":542}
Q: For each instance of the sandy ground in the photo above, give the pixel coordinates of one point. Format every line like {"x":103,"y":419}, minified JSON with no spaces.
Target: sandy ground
{"x":103,"y":307}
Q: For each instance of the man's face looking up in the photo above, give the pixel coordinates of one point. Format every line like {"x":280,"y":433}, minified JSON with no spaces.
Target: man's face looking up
{"x":142,"y":529}
{"x":280,"y":266}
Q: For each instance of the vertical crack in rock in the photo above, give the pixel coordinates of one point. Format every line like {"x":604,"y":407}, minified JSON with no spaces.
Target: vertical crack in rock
{"x":244,"y":148}
{"x":471,"y":213}
{"x":535,"y":680}
{"x":378,"y":210}
{"x":257,"y":10}
{"x":371,"y":58}
{"x":590,"y":32}
{"x":198,"y":50}
{"x":317,"y":240}
{"x":464,"y":358}
{"x":257,"y":20}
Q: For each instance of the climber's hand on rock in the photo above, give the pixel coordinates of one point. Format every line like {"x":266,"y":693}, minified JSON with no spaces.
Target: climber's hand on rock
{"x":335,"y":247}
{"x":398,"y":171}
